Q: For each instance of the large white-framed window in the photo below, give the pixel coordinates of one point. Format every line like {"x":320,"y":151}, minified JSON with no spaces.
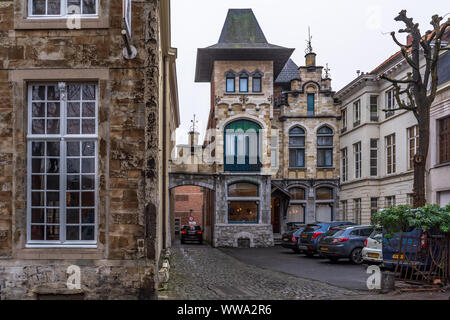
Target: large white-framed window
{"x":62,"y":164}
{"x":357,"y":157}
{"x":62,"y":8}
{"x":344,"y":164}
{"x":390,"y":103}
{"x":373,"y":157}
{"x":413,"y":144}
{"x":356,"y":113}
{"x":390,"y":154}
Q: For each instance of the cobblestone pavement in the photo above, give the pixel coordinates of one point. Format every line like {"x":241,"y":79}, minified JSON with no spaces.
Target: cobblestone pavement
{"x":204,"y":273}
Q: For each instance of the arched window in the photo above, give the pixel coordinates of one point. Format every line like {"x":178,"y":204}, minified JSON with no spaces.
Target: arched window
{"x":230,"y":76}
{"x":243,"y":202}
{"x":325,"y":147}
{"x":297,"y":205}
{"x":324,"y":204}
{"x":242,"y":146}
{"x":297,"y":148}
{"x":257,"y":81}
{"x":243,"y":81}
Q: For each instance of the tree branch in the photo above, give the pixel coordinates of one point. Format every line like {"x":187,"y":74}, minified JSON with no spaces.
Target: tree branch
{"x":409,"y":80}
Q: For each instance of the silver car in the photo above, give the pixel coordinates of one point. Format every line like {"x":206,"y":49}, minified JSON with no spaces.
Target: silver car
{"x":373,"y":249}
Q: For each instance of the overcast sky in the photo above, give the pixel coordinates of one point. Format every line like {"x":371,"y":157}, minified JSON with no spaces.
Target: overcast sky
{"x":349,"y":35}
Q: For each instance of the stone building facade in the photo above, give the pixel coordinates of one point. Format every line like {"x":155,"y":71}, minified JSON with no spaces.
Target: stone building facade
{"x":83,"y":180}
{"x":378,"y":146}
{"x":257,"y":187}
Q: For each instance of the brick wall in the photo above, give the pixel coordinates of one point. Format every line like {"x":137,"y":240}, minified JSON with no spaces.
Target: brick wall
{"x":189,"y":203}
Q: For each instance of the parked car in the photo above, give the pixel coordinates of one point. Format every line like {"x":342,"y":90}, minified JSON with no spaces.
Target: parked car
{"x":344,"y":242}
{"x":373,"y":248}
{"x":191,"y":233}
{"x":312,"y":233}
{"x":290,"y":239}
{"x":417,"y":249}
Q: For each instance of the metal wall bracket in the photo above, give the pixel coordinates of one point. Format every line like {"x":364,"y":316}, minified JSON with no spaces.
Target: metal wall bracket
{"x":129,"y":52}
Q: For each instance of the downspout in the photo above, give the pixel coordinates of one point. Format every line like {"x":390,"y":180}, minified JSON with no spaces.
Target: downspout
{"x":164,"y":156}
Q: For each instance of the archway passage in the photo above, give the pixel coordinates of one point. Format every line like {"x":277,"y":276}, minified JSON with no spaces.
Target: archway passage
{"x":192,"y":205}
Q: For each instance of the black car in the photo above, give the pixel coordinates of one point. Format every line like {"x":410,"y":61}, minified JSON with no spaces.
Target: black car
{"x":344,"y":242}
{"x":191,"y":233}
{"x":290,"y":238}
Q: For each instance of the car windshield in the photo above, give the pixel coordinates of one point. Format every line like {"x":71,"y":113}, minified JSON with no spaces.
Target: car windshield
{"x":311,"y":227}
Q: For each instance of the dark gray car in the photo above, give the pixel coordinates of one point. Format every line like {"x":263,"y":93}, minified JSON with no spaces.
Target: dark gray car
{"x":344,"y":242}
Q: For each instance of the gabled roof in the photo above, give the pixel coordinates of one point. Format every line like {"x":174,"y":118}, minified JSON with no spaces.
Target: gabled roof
{"x":241,"y":39}
{"x":289,"y":72}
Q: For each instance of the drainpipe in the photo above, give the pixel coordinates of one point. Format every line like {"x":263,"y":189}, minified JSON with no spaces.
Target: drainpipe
{"x":164,"y":155}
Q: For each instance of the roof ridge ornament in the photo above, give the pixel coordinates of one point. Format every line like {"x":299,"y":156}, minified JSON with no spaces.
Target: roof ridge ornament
{"x":194,"y":124}
{"x":309,"y":48}
{"x":327,"y":72}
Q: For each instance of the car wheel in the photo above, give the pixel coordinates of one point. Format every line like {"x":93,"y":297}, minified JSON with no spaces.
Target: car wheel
{"x":356,"y":256}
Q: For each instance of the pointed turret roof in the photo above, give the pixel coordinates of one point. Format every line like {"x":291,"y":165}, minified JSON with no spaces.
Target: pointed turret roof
{"x":241,"y":39}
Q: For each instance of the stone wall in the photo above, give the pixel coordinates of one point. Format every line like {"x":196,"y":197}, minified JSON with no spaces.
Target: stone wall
{"x":129,"y":167}
{"x":234,"y":235}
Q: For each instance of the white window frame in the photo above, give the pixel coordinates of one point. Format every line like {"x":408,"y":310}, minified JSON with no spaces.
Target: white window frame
{"x":390,"y":147}
{"x":390,"y":102}
{"x":373,"y":158}
{"x":274,"y":151}
{"x":415,"y":139}
{"x":357,"y":155}
{"x":344,"y":118}
{"x":357,"y":211}
{"x":344,"y":153}
{"x":356,"y":112}
{"x":63,"y":14}
{"x":62,"y":137}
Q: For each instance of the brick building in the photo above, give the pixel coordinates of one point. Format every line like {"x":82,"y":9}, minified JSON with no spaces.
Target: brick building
{"x":84,"y":146}
{"x":188,"y":203}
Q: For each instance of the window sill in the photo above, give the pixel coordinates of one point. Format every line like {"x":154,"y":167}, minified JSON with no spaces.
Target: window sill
{"x":60,"y":246}
{"x":297,"y":168}
{"x":325,"y":168}
{"x":33,"y":23}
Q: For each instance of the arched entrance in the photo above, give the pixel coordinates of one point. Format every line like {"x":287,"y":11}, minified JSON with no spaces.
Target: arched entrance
{"x":192,"y":202}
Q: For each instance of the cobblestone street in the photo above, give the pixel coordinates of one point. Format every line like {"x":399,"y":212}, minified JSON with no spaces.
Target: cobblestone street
{"x":202,"y":272}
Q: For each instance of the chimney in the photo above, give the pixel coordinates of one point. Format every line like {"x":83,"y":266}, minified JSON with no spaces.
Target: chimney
{"x":310,"y":59}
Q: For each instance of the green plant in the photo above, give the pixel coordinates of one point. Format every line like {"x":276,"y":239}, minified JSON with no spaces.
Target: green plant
{"x":403,"y":218}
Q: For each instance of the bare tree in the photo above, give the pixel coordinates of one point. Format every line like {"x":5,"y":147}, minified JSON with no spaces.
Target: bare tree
{"x":417,"y":92}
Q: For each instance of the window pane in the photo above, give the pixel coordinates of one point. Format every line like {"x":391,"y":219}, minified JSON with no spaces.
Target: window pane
{"x":54,"y":7}
{"x":73,"y":7}
{"x":52,"y":199}
{"x":88,"y":127}
{"x":72,"y":233}
{"x":53,"y":109}
{"x":324,"y":141}
{"x":324,"y":194}
{"x":240,"y":211}
{"x":73,"y":199}
{"x":37,"y":182}
{"x":87,"y":233}
{"x":88,"y":199}
{"x":89,"y":109}
{"x":73,"y":182}
{"x":73,"y":165}
{"x":52,"y":165}
{"x":37,"y":232}
{"x":297,"y":193}
{"x":37,"y":166}
{"x":37,"y":215}
{"x":87,"y":216}
{"x":38,"y":7}
{"x":53,"y":216}
{"x":53,"y":148}
{"x":297,"y":141}
{"x":296,"y":213}
{"x":88,"y":182}
{"x":256,"y":84}
{"x":37,"y":148}
{"x":52,"y":233}
{"x":297,"y":130}
{"x":73,"y":149}
{"x":230,"y":84}
{"x":52,"y":126}
{"x":73,"y":109}
{"x":300,"y":159}
{"x":73,"y":216}
{"x":52,"y":93}
{"x":73,"y":90}
{"x":243,"y":84}
{"x":73,"y":126}
{"x":38,"y":92}
{"x":89,"y":7}
{"x":37,"y":199}
{"x":53,"y":182}
{"x":243,"y":190}
{"x":88,"y":148}
{"x":38,"y":110}
{"x":88,"y":166}
{"x":37,"y":126}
